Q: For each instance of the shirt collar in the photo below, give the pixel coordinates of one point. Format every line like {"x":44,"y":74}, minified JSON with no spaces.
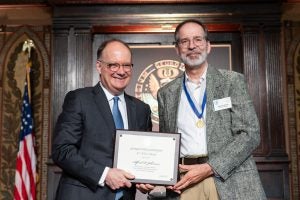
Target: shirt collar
{"x":109,"y":96}
{"x":201,"y":79}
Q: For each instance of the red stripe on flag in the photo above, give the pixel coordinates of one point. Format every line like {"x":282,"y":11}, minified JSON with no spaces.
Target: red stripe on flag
{"x":28,"y":164}
{"x":16,"y":194}
{"x":20,"y":188}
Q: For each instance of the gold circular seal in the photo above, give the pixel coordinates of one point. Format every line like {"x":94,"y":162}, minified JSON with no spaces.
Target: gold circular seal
{"x":152,"y":78}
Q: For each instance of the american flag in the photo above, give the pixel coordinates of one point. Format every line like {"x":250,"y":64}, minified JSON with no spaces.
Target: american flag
{"x":25,"y":178}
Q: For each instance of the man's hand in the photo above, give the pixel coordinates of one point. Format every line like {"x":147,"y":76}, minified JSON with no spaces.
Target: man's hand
{"x":194,"y":174}
{"x":117,"y":178}
{"x":144,"y":188}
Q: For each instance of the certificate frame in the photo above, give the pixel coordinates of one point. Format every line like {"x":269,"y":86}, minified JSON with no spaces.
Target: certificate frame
{"x":152,"y":157}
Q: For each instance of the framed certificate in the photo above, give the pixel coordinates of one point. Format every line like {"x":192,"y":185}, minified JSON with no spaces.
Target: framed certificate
{"x":152,"y":157}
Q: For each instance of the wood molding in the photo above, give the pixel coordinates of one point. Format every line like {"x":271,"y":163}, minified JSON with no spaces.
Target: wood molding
{"x":158,"y":28}
{"x":62,"y":2}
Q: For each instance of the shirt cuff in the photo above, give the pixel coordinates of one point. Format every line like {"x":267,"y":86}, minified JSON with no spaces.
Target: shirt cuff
{"x":102,"y":178}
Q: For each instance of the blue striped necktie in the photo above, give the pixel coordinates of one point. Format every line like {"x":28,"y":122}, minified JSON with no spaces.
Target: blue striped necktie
{"x":117,"y":114}
{"x":119,"y":125}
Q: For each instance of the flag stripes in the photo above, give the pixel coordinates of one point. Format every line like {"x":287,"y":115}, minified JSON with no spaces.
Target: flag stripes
{"x":25,"y":178}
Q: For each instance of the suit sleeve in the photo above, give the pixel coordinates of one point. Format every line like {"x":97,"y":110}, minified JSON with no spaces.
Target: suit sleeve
{"x":161,"y":109}
{"x":67,"y":141}
{"x":243,"y":130}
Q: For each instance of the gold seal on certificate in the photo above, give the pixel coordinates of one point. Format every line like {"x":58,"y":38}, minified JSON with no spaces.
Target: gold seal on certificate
{"x":152,"y":157}
{"x":200,"y":123}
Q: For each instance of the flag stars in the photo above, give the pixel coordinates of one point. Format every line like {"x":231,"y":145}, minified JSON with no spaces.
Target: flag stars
{"x":26,"y":160}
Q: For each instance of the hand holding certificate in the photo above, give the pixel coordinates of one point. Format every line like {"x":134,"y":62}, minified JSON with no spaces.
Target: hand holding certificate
{"x":151,"y":157}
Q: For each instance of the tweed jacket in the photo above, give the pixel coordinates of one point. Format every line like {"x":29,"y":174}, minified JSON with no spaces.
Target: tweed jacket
{"x":83,"y":143}
{"x":232,"y":134}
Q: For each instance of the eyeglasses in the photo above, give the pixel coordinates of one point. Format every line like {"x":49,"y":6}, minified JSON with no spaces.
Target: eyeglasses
{"x":185,"y":42}
{"x":114,"y":67}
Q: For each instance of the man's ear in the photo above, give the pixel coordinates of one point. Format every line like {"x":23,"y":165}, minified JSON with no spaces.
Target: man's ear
{"x":208,"y":47}
{"x":98,"y":67}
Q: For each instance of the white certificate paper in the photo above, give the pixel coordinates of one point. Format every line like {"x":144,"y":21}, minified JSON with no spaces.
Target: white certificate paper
{"x":151,"y":157}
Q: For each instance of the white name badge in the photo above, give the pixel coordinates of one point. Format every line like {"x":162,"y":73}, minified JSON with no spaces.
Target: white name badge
{"x":221,"y":104}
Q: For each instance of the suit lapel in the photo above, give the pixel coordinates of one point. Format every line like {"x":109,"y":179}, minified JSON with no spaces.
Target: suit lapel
{"x":215,"y":90}
{"x":103,"y":106}
{"x":131,"y":112}
{"x":173,"y":102}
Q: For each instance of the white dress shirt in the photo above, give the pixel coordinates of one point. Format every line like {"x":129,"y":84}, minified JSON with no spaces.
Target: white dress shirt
{"x":123,"y":110}
{"x":193,"y":139}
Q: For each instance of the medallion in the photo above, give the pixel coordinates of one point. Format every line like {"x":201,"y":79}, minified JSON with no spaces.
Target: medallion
{"x":200,"y":123}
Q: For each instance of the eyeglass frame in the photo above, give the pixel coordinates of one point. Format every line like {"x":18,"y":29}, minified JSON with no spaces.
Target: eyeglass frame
{"x":202,"y":41}
{"x":114,"y":67}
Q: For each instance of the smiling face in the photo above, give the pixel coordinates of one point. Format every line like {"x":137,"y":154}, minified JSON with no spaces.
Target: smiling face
{"x":192,"y":46}
{"x":114,"y":82}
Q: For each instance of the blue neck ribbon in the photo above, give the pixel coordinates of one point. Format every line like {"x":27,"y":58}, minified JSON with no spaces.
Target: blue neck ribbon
{"x":198,"y":114}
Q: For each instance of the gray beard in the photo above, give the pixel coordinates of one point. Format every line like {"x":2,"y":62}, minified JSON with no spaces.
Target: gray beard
{"x":194,"y":63}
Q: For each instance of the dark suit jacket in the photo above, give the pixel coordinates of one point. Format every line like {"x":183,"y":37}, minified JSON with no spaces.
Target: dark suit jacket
{"x":83,"y":142}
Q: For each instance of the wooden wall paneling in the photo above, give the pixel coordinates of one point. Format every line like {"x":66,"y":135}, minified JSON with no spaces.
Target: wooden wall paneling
{"x":275,"y":93}
{"x":84,"y":54}
{"x":72,"y":64}
{"x":79,"y":58}
{"x":232,"y":37}
{"x":59,"y":73}
{"x":64,"y":2}
{"x":275,"y":178}
{"x":85,"y":16}
{"x":72,"y":69}
{"x":237,"y":54}
{"x":263,"y":73}
{"x":254,"y":72}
